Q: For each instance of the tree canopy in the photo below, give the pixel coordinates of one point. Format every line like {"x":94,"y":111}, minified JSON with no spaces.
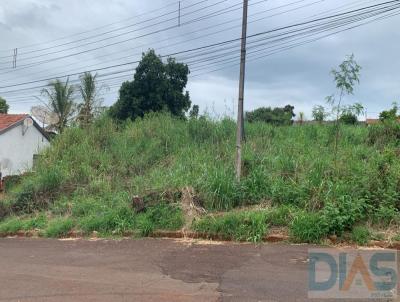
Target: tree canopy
{"x":389,"y":115}
{"x":3,"y":106}
{"x":60,"y":97}
{"x":157,"y":86}
{"x":275,"y":116}
{"x":319,"y":113}
{"x":89,"y":90}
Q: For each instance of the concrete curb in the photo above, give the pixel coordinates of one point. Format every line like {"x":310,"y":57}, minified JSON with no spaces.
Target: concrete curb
{"x":271,"y":238}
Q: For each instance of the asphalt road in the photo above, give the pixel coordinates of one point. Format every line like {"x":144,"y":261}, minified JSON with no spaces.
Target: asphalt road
{"x":150,"y":270}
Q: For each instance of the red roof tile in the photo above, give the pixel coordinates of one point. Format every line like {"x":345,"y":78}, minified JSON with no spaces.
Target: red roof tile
{"x":7,"y":120}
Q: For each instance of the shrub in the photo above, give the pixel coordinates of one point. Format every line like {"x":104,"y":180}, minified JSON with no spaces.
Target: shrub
{"x":386,"y":215}
{"x":343,"y":213}
{"x":308,"y":228}
{"x":361,"y":235}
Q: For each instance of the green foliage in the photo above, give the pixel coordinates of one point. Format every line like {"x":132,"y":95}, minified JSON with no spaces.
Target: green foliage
{"x":308,"y":228}
{"x":59,"y":227}
{"x":89,"y":90}
{"x":343,"y":213}
{"x":319,"y":113}
{"x":241,"y":226}
{"x":347,"y":75}
{"x":275,"y":116}
{"x":194,"y":112}
{"x":389,"y":115}
{"x":3,"y":106}
{"x":292,"y":168}
{"x":281,"y":216}
{"x":361,"y":235}
{"x":160,"y":217}
{"x":60,"y":98}
{"x":386,"y":215}
{"x":157,"y":86}
{"x":11,"y":225}
{"x":385,"y":134}
{"x":348,"y":119}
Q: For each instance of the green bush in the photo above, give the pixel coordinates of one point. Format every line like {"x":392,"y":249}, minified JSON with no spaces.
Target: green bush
{"x":361,"y":235}
{"x":308,"y":228}
{"x":386,"y":215}
{"x":343,"y":213}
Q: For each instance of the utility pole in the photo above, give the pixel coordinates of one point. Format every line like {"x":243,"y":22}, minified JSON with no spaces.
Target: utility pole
{"x":179,"y":16}
{"x":240,"y":117}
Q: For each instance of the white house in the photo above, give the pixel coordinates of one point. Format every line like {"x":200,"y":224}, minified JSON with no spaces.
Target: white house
{"x":20,"y":139}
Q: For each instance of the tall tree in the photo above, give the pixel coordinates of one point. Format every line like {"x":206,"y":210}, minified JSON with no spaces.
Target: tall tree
{"x":345,"y":78}
{"x":3,"y":106}
{"x":157,"y":86}
{"x":89,"y":91}
{"x":60,"y":98}
{"x":319,"y":113}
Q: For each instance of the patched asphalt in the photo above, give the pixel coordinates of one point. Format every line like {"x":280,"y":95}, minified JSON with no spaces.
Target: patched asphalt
{"x":151,"y":270}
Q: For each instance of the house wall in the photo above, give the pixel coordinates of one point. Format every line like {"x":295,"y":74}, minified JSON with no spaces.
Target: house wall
{"x":17,"y":149}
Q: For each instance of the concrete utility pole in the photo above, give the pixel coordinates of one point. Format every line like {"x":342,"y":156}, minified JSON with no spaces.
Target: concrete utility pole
{"x":240,"y":117}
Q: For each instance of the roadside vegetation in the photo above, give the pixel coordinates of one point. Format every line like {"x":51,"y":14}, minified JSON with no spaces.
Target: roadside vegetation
{"x":87,"y":179}
{"x":123,"y":172}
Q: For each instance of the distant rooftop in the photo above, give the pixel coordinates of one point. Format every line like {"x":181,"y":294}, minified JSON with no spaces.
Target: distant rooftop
{"x":7,"y":120}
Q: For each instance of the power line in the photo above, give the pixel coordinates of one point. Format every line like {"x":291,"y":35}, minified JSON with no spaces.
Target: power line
{"x":98,"y":28}
{"x":220,"y":12}
{"x":393,"y":7}
{"x":191,"y":34}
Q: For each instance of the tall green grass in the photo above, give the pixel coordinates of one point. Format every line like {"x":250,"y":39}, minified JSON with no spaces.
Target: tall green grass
{"x":92,"y":174}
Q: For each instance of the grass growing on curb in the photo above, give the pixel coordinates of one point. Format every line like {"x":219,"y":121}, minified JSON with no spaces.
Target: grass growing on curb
{"x":14,"y":224}
{"x":59,"y":227}
{"x":240,"y":226}
{"x":308,"y":228}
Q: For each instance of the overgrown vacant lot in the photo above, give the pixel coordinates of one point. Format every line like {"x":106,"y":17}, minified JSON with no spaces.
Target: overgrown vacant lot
{"x":87,"y":180}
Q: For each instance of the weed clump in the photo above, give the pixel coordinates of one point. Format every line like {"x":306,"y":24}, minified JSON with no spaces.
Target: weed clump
{"x":361,"y":235}
{"x":240,"y":226}
{"x":308,"y":228}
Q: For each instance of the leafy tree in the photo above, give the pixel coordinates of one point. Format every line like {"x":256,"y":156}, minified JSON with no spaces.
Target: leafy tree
{"x":349,"y":114}
{"x":3,"y":106}
{"x":348,"y":119}
{"x":194,"y":113}
{"x":389,"y":115}
{"x":89,"y":90}
{"x":319,"y":113}
{"x":346,"y":77}
{"x":60,"y":97}
{"x":157,"y":86}
{"x":275,"y":116}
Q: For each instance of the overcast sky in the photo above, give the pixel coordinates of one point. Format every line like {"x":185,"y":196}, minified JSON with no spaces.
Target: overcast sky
{"x":45,"y":30}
